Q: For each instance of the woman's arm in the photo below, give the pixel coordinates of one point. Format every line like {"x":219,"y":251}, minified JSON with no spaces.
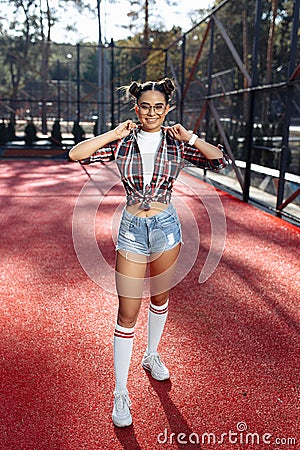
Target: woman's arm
{"x":209,"y":151}
{"x":87,"y":148}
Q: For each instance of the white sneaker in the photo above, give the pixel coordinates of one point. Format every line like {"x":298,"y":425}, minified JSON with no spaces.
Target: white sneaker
{"x":121,"y":415}
{"x":156,"y":367}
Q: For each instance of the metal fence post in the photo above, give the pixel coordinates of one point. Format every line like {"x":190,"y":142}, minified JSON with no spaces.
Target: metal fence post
{"x":78,"y":81}
{"x":112,"y":84}
{"x":183,"y":48}
{"x":58,"y":91}
{"x":100,"y":127}
{"x":209,"y":74}
{"x":166,"y":62}
{"x":289,"y":97}
{"x":251,"y":101}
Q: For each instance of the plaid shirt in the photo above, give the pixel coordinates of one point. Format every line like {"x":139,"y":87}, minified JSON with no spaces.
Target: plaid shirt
{"x":171,"y":157}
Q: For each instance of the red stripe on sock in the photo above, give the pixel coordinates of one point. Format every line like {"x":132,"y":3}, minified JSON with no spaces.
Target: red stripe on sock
{"x":122,"y":334}
{"x":157,"y":311}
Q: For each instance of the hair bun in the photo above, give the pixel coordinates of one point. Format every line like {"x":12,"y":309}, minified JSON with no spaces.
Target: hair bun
{"x":168,"y":85}
{"x":135,"y":89}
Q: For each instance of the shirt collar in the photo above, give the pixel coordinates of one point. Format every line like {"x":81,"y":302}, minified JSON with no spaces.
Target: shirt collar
{"x":139,"y":127}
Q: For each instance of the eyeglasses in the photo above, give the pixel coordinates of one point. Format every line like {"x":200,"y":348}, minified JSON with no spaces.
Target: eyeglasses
{"x":158,"y":109}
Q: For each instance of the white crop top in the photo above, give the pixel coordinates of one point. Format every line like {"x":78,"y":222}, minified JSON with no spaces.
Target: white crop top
{"x":149,"y":144}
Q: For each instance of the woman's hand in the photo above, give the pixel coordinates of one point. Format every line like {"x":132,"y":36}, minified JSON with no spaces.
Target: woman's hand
{"x":208,"y":150}
{"x":180,"y":133}
{"x":124,"y":129}
{"x":88,"y":147}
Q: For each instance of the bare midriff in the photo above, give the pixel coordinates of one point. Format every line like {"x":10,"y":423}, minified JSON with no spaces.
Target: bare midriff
{"x":156,"y":208}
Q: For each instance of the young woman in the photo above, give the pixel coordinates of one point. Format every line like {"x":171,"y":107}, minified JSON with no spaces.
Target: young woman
{"x":149,"y":157}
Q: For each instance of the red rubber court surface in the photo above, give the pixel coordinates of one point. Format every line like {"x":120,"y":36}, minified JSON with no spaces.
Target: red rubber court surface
{"x":231,"y":343}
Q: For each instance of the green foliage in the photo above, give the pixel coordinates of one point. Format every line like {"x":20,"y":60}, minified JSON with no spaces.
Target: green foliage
{"x":31,"y":67}
{"x":238,"y":20}
{"x":26,"y":51}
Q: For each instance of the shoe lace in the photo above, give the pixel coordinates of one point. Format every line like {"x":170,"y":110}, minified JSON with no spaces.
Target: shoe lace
{"x":121,"y":400}
{"x":154,"y":358}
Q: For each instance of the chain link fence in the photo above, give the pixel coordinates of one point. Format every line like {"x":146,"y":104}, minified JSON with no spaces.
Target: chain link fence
{"x":237,"y":83}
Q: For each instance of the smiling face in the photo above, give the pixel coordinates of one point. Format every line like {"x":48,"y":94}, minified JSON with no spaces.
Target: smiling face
{"x":151,"y":110}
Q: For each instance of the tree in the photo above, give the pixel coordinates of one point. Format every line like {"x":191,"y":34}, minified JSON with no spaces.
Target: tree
{"x":32,"y":22}
{"x":17,"y":51}
{"x":143,"y":8}
{"x":271,"y":41}
{"x":144,"y":18}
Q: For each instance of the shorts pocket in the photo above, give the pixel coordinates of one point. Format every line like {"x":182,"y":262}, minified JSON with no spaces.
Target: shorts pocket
{"x":167,"y":221}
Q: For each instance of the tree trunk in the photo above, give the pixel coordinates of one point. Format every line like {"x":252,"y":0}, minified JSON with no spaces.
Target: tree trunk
{"x":245,"y":57}
{"x":270,"y":42}
{"x":268,"y":79}
{"x":45,"y":64}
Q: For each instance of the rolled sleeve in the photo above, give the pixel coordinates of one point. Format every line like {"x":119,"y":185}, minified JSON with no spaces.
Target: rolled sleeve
{"x":103,"y":155}
{"x":193,"y":156}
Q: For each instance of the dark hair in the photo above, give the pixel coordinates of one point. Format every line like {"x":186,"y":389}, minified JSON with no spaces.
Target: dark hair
{"x":165,"y":87}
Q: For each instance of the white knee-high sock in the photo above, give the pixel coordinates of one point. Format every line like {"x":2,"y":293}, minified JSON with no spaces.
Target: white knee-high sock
{"x":123,"y":343}
{"x":157,"y":317}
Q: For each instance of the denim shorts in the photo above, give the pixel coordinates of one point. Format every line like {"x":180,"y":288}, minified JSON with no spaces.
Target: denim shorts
{"x":148,"y":235}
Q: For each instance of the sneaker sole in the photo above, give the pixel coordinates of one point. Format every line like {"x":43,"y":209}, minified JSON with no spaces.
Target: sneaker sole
{"x":122,"y":425}
{"x":155,"y":378}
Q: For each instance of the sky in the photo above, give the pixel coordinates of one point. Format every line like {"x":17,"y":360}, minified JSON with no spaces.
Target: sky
{"x":114,"y":20}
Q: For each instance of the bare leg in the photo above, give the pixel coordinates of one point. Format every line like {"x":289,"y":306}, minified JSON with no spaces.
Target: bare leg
{"x":162,"y":268}
{"x":130,"y":273}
